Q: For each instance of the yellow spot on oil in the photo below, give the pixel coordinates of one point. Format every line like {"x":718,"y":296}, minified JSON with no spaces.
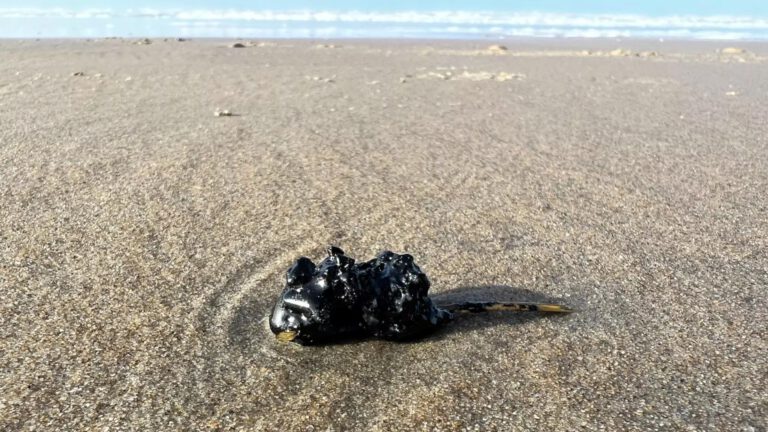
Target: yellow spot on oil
{"x":287,"y":336}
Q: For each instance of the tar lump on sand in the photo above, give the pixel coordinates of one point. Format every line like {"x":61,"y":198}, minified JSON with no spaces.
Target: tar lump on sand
{"x":386,"y":297}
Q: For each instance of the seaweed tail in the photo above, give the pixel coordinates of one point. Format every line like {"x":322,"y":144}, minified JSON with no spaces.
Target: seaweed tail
{"x":476,"y":307}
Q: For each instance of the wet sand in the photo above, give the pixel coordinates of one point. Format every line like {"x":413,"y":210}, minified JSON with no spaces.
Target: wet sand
{"x":143,"y":239}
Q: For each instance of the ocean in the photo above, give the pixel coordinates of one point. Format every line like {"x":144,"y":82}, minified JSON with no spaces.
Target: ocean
{"x":58,"y":23}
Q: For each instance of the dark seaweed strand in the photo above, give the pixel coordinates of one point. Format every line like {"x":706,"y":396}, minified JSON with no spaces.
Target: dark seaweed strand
{"x":476,"y":307}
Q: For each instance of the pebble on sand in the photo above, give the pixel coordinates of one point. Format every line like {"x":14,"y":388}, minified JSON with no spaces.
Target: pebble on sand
{"x":237,"y":45}
{"x":223,"y":113}
{"x":78,"y":73}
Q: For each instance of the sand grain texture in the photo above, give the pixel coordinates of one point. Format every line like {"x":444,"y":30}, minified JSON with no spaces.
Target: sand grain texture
{"x":143,"y":240}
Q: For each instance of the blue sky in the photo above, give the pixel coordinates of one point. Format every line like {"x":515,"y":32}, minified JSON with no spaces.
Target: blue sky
{"x":647,"y":7}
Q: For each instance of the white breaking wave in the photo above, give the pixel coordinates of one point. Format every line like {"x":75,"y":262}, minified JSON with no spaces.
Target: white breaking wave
{"x":487,"y":18}
{"x":443,"y":22}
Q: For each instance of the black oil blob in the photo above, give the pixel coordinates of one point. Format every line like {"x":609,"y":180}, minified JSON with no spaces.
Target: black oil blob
{"x":385,"y":297}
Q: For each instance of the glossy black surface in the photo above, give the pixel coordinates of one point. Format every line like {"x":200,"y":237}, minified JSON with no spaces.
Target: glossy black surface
{"x":339,"y":299}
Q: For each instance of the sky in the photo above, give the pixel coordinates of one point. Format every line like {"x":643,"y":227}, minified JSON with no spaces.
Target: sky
{"x":647,"y":7}
{"x":490,"y":19}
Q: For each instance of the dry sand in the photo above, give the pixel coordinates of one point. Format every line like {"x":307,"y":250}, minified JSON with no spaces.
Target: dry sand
{"x":143,"y":239}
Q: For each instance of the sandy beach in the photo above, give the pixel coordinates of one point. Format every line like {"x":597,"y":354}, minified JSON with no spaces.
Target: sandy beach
{"x":144,"y":240}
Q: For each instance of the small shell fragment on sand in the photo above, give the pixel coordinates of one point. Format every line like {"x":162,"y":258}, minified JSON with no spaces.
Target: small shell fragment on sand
{"x":506,"y":76}
{"x":497,"y":49}
{"x":476,"y":76}
{"x":438,"y":75}
{"x":620,"y":52}
{"x":319,"y":78}
{"x":448,"y":75}
{"x":78,"y":73}
{"x":222,"y":113}
{"x":733,"y":50}
{"x":482,"y":76}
